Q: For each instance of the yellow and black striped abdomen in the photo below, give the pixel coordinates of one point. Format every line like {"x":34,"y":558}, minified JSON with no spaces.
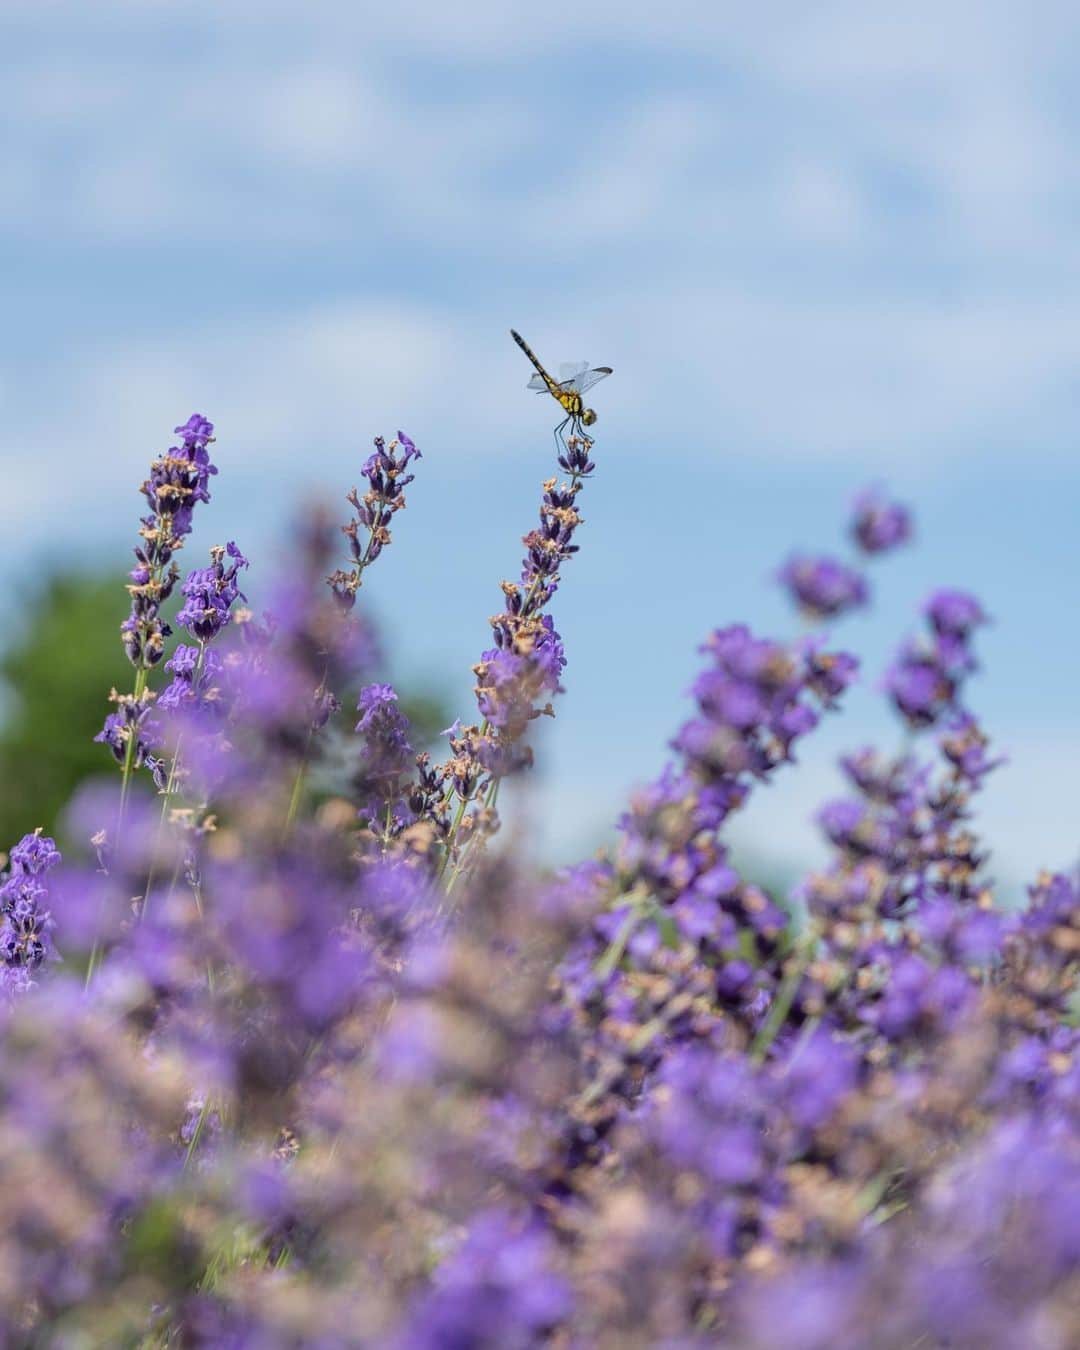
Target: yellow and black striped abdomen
{"x":568,"y":398}
{"x":552,"y":386}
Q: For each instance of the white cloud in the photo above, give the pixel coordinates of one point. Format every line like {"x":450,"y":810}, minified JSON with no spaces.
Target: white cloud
{"x":280,"y":393}
{"x":788,"y":133}
{"x":910,"y":392}
{"x":832,"y":233}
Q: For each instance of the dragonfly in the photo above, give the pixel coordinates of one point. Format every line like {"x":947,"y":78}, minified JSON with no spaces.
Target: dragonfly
{"x":575,"y":379}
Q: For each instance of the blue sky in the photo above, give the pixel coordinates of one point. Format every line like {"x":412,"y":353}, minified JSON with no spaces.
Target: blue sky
{"x":821,"y":245}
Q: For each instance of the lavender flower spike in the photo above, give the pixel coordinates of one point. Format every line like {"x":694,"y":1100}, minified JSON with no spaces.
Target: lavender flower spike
{"x":878,"y":524}
{"x":178,"y":479}
{"x":387,"y":481}
{"x":927,"y":675}
{"x":209,"y":593}
{"x":823,"y":588}
{"x":25,"y":925}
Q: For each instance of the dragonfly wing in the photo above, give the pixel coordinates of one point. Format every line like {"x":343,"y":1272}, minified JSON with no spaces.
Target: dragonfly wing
{"x":588,"y":378}
{"x":537,"y":383}
{"x":570,"y":370}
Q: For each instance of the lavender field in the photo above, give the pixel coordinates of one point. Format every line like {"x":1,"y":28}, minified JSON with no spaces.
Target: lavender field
{"x":296,"y":1059}
{"x":464,"y":888}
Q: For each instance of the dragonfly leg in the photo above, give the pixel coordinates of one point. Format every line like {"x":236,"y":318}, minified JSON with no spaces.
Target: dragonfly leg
{"x":560,"y":437}
{"x":578,"y":433}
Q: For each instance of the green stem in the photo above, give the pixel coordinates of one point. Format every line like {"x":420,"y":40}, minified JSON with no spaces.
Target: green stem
{"x":141,"y":676}
{"x":166,"y":797}
{"x":809,"y":1027}
{"x":297,"y":789}
{"x":452,"y":836}
{"x":198,"y":1131}
{"x":301,"y":769}
{"x":387,"y":821}
{"x":785,"y":997}
{"x":463,"y":857}
{"x":125,"y":784}
{"x":613,"y":953}
{"x":170,"y":790}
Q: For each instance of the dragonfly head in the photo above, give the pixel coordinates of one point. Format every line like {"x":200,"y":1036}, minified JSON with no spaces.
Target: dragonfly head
{"x":588,"y":417}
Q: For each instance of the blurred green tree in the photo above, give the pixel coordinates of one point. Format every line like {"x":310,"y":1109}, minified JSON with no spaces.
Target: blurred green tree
{"x":55,"y":677}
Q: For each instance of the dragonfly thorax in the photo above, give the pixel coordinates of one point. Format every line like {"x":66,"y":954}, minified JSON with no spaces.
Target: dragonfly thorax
{"x":571,"y":402}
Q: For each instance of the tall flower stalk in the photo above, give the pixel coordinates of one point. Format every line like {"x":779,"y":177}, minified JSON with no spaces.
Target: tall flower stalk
{"x":179,"y":479}
{"x":523,"y":668}
{"x":368,"y":533}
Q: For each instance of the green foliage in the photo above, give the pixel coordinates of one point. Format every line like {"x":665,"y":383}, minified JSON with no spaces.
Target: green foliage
{"x":56,"y":674}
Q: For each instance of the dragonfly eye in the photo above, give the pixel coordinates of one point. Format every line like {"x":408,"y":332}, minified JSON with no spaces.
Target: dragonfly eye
{"x":588,"y":417}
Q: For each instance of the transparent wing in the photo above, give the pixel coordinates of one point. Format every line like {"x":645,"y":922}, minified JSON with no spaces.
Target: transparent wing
{"x":570,"y":370}
{"x":537,"y":383}
{"x":588,"y":378}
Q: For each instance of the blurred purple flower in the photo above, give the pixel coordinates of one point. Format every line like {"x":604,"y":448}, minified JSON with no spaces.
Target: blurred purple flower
{"x":879,"y":525}
{"x":500,"y":1288}
{"x":954,"y":613}
{"x":823,"y":587}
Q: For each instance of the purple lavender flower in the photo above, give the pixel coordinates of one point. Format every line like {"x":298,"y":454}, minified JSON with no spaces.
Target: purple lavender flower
{"x":954,"y":613}
{"x":510,"y":683}
{"x":383,"y":725}
{"x":500,"y":1288}
{"x":815,"y":1078}
{"x":182,"y":491}
{"x":841,"y":820}
{"x":927,"y":675}
{"x":919,"y":996}
{"x":33,"y":854}
{"x":178,"y":480}
{"x":828,"y":674}
{"x":879,"y":525}
{"x":210,"y":592}
{"x":25,"y":925}
{"x":752,"y":704}
{"x":823,"y":587}
{"x":387,"y":481}
{"x":712,"y":1115}
{"x":965,"y":746}
{"x":284,"y":928}
{"x":133,"y":736}
{"x":384,"y":730}
{"x":922,"y":689}
{"x":882,"y":780}
{"x":194,"y":684}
